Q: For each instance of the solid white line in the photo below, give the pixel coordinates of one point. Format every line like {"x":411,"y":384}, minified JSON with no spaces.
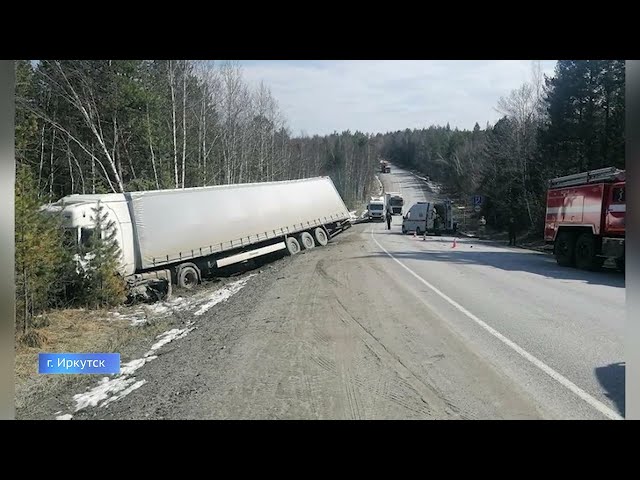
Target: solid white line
{"x":601,"y":407}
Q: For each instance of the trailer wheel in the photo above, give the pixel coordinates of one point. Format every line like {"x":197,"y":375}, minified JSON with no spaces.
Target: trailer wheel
{"x":293,"y":246}
{"x":307,"y":241}
{"x":586,"y":253}
{"x":565,"y":249}
{"x":187,"y":277}
{"x":321,"y":236}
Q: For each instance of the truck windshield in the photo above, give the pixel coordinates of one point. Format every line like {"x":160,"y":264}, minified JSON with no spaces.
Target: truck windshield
{"x":70,"y":237}
{"x":86,"y":235}
{"x":375,"y":207}
{"x":396,"y":202}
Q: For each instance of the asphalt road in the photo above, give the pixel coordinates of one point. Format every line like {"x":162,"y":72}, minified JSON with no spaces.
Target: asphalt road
{"x":380,"y":325}
{"x":570,"y":320}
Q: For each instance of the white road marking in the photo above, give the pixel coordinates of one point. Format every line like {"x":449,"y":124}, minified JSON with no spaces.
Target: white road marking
{"x":601,"y":407}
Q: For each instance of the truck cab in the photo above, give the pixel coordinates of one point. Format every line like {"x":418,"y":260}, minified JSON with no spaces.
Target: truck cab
{"x":376,"y":208}
{"x":77,"y":213}
{"x":394,"y":202}
{"x":421,"y":218}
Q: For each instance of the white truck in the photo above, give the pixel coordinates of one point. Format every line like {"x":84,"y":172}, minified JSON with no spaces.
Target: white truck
{"x":376,"y":208}
{"x":421,"y":218}
{"x":180,"y":236}
{"x":394,"y":202}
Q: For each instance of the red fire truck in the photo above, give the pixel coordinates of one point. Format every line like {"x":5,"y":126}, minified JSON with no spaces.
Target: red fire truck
{"x":585,"y":219}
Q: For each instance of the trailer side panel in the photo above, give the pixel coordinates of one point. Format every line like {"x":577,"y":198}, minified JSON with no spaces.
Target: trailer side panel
{"x":176,"y":225}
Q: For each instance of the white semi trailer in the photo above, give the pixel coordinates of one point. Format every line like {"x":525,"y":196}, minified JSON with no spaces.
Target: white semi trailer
{"x":180,"y":236}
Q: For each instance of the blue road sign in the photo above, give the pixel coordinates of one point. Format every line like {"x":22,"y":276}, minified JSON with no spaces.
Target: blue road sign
{"x":477,"y":199}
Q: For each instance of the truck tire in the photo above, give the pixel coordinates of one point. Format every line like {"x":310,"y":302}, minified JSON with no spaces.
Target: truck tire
{"x":418,"y":231}
{"x":404,"y":231}
{"x":293,"y":246}
{"x":320,"y":236}
{"x":620,"y":264}
{"x":564,"y":249}
{"x":306,"y":240}
{"x":187,"y":277}
{"x":586,"y":253}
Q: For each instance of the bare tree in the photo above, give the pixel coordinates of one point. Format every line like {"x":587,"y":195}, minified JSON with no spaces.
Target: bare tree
{"x":153,"y":155}
{"x":523,"y":106}
{"x":71,"y":85}
{"x":184,"y":119}
{"x":171,"y":71}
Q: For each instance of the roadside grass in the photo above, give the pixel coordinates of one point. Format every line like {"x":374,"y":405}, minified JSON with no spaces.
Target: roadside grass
{"x":70,"y":331}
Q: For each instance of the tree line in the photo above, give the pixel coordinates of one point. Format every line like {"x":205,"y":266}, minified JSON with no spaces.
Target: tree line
{"x":570,"y":122}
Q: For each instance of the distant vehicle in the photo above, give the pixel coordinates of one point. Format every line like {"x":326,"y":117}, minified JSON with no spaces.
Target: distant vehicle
{"x":394,"y":202}
{"x":376,"y":208}
{"x":179,"y":236}
{"x":585,"y":218}
{"x":384,"y":167}
{"x":420,"y":218}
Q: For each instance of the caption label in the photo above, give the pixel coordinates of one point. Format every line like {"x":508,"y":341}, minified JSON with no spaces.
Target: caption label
{"x":75,"y":363}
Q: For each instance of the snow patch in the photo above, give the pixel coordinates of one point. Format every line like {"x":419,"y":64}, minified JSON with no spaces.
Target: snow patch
{"x":124,"y":393}
{"x":158,"y":308}
{"x":137,"y":317}
{"x":110,"y":387}
{"x":130,"y":367}
{"x":106,"y":388}
{"x":434,"y":187}
{"x":222,"y":295}
{"x":109,"y":390}
{"x":167,"y":337}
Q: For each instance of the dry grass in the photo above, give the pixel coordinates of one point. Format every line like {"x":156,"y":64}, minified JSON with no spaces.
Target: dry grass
{"x":74,"y":331}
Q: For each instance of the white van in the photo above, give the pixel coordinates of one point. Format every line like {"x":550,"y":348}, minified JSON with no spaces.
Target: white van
{"x":420,"y":218}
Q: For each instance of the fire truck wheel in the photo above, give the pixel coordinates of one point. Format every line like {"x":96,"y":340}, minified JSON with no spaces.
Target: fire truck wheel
{"x":564,"y":249}
{"x":586,"y":253}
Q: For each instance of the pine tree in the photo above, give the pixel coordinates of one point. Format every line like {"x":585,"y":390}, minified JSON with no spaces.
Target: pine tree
{"x":103,"y":285}
{"x":39,"y":255}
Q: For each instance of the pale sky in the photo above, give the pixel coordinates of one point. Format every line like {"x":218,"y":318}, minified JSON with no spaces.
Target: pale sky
{"x":320,"y":97}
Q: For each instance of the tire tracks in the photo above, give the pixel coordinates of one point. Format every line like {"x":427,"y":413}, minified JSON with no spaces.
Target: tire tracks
{"x":434,"y":400}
